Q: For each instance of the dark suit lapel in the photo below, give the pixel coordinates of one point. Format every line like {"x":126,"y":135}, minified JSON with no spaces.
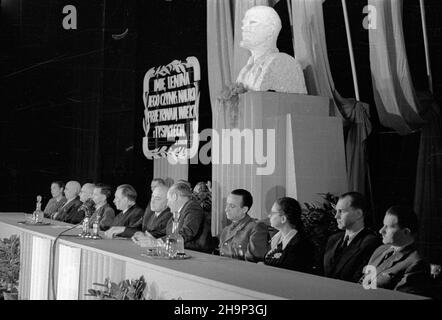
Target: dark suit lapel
{"x":395,"y":258}
{"x":351,"y":251}
{"x":183,"y":213}
{"x":331,"y":254}
{"x":241,"y":225}
{"x":294,"y":241}
{"x":155,"y":221}
{"x":68,"y":206}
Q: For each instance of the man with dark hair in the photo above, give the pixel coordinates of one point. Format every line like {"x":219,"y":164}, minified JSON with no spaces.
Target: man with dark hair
{"x":398,"y":263}
{"x":125,"y":200}
{"x":241,"y":238}
{"x":58,"y":199}
{"x":103,"y":211}
{"x":348,"y":251}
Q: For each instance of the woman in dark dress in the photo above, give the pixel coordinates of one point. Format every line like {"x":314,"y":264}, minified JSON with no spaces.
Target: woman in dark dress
{"x":290,"y":248}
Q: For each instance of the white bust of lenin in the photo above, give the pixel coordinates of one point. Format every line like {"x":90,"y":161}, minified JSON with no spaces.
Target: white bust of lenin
{"x":267,"y":68}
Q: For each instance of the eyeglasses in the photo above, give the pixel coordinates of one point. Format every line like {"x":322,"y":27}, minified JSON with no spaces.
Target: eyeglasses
{"x":272,"y":213}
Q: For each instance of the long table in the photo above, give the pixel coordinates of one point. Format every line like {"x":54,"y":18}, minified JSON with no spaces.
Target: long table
{"x":78,"y":263}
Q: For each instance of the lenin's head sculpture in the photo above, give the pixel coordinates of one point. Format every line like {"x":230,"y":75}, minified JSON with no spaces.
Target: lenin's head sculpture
{"x":267,"y":68}
{"x":260,"y":28}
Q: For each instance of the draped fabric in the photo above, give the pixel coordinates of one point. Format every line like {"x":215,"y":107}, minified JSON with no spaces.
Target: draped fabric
{"x":357,"y":116}
{"x":394,"y":95}
{"x":310,"y":47}
{"x":428,"y":192}
{"x":163,"y":169}
{"x":401,"y":109}
{"x":219,"y":47}
{"x":225,"y":59}
{"x":311,"y":51}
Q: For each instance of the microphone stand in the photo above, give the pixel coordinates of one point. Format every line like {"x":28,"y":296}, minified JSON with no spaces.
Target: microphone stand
{"x":54,"y":249}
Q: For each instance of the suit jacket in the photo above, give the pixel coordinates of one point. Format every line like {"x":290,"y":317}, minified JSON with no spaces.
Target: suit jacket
{"x":156,"y":226}
{"x":252,"y":237}
{"x":68,"y":211}
{"x":128,"y":219}
{"x":107,"y":216}
{"x":194,"y":227}
{"x":298,"y":255}
{"x":347,"y":264}
{"x":53,"y":206}
{"x":404,"y":271}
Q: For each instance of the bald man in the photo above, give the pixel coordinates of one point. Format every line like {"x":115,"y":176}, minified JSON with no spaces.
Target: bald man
{"x":86,"y":192}
{"x":69,"y":210}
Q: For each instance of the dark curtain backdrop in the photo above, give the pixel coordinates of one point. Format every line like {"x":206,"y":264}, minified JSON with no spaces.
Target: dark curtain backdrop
{"x":169,"y":30}
{"x":71,"y":100}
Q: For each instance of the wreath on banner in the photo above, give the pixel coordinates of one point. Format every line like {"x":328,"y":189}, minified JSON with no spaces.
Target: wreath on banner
{"x":175,"y":65}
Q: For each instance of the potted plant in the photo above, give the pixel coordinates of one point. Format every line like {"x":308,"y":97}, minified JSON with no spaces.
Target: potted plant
{"x":319,"y":223}
{"x":9,"y":267}
{"x":127,"y":290}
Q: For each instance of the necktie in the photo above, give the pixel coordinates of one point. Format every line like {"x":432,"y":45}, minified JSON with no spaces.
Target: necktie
{"x":386,"y":256}
{"x":345,"y":242}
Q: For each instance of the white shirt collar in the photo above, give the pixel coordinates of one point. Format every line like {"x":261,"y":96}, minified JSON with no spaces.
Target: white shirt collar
{"x":279,"y":237}
{"x":352,"y":235}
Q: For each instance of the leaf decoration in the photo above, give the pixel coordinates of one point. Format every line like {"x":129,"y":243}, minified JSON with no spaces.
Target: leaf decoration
{"x":127,"y":290}
{"x":9,"y":263}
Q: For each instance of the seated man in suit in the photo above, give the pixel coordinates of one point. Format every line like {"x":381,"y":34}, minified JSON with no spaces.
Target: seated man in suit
{"x":125,"y":200}
{"x":241,"y":238}
{"x":69,"y":209}
{"x":348,"y":251}
{"x":153,"y":224}
{"x":85,"y":196}
{"x":58,"y":199}
{"x":192,"y":224}
{"x":103,"y":211}
{"x":397,"y":263}
{"x":133,"y":220}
